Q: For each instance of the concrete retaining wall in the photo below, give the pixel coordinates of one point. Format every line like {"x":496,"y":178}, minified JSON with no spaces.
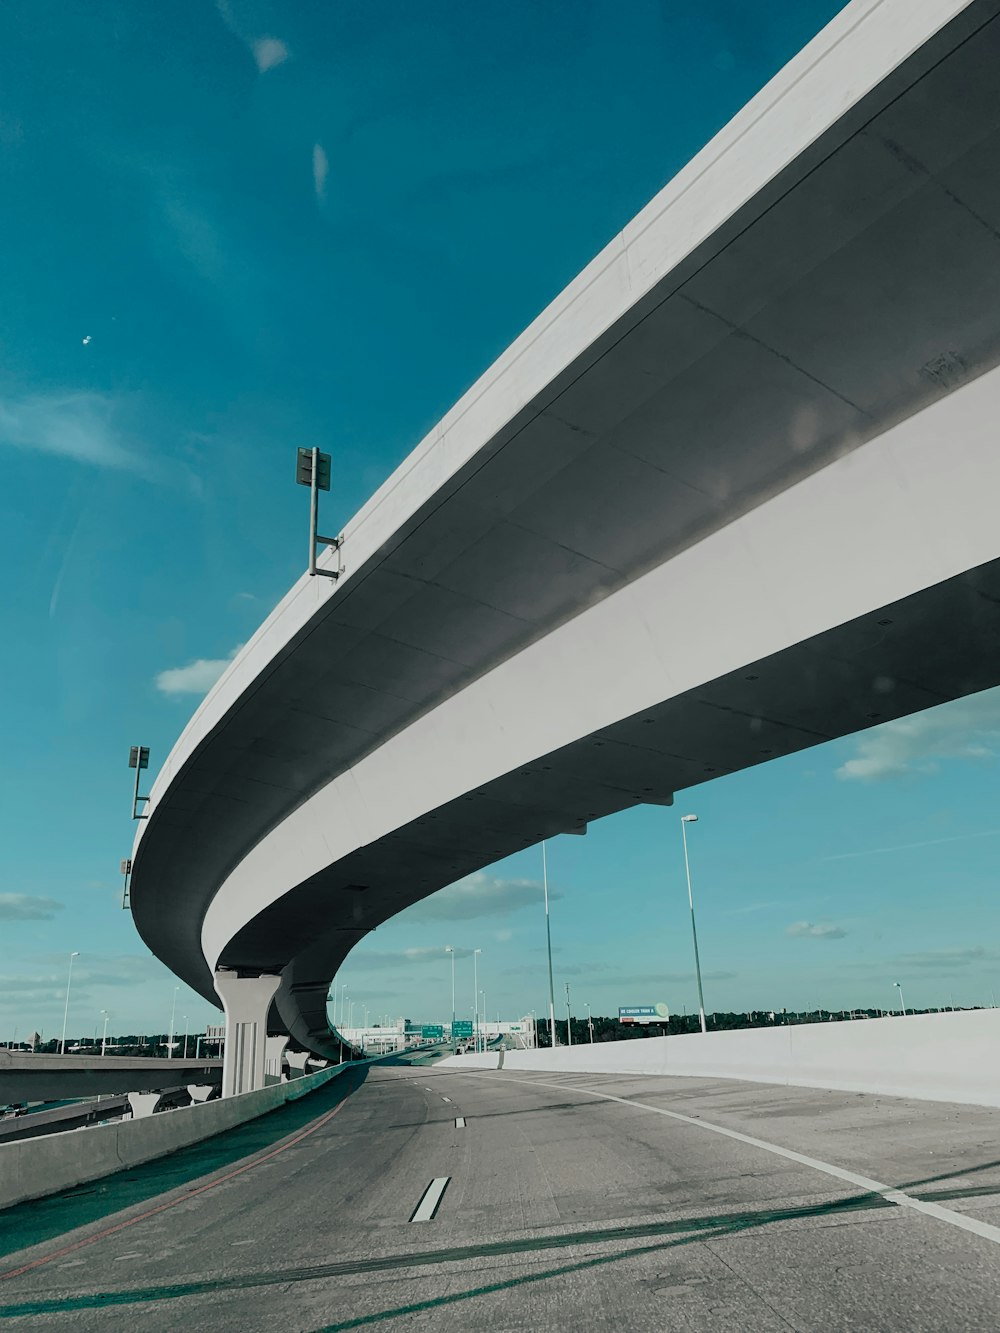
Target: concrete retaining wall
{"x":33,"y":1168}
{"x":937,"y":1057}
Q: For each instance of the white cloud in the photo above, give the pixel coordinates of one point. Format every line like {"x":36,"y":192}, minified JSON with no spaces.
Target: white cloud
{"x":196,"y":678}
{"x":479,"y":895}
{"x":963,"y":729}
{"x":269,"y":52}
{"x":815,"y":930}
{"x":387,"y":960}
{"x":79,"y":426}
{"x":23,"y":907}
{"x":321,"y":169}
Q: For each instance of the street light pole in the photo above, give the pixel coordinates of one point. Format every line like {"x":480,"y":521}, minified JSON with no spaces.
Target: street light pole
{"x":569,"y":1019}
{"x":104,"y":1038}
{"x":448,"y":948}
{"x":685,"y":820}
{"x":186,"y":1030}
{"x":590,"y":1024}
{"x":548,"y":943}
{"x":69,"y":982}
{"x":173,"y":1014}
{"x":901,"y":1004}
{"x":475,"y":999}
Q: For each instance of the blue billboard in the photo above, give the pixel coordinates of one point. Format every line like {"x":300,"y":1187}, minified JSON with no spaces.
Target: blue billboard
{"x":643,"y":1013}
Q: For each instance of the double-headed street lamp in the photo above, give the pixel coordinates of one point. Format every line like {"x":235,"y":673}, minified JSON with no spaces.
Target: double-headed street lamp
{"x":69,"y":982}
{"x":685,"y":820}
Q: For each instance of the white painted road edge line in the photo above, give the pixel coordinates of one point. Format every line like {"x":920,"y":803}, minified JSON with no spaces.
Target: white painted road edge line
{"x":972,"y":1224}
{"x":460,"y":1122}
{"x":428,"y":1205}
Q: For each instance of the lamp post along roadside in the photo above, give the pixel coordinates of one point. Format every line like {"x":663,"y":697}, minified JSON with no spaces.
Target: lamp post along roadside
{"x":569,"y":1019}
{"x":685,"y":820}
{"x":69,"y":982}
{"x":475,"y":999}
{"x":173,"y":1015}
{"x":104,"y":1037}
{"x":454,"y":1040}
{"x":548,"y":945}
{"x":590,"y":1024}
{"x":902,"y":1006}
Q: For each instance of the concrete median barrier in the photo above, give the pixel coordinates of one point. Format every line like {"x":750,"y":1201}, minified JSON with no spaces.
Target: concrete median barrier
{"x":949,"y":1057}
{"x":33,"y":1168}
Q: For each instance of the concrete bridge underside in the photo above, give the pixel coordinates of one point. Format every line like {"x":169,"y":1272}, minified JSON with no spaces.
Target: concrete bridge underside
{"x":728,"y":497}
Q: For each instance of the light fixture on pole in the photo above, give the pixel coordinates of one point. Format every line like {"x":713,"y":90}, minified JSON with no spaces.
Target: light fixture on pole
{"x":901,"y":1004}
{"x":104,"y":1038}
{"x":685,"y":820}
{"x":69,"y":982}
{"x":475,"y":999}
{"x":313,"y":470}
{"x":548,"y":945}
{"x":138,"y":758}
{"x":454,"y":1040}
{"x":173,"y":1015}
{"x":590,"y":1024}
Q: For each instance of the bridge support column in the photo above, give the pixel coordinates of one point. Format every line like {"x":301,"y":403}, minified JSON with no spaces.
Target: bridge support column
{"x":143,"y":1103}
{"x":273,"y":1057}
{"x":246,"y":1001}
{"x":297,"y":1063}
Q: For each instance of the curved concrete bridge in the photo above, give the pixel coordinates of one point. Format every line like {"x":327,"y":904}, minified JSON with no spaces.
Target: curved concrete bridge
{"x":731,"y":495}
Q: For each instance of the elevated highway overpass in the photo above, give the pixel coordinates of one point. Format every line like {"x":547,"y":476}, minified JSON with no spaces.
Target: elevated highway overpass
{"x":731,"y":495}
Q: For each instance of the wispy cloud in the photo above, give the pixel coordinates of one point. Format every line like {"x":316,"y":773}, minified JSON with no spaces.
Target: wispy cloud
{"x":197,"y":677}
{"x":321,"y":169}
{"x":479,"y":895}
{"x":24,"y":907}
{"x":269,"y":52}
{"x":79,"y":426}
{"x":375,"y":960}
{"x":963,"y":729}
{"x":815,"y":930}
{"x":910,"y":846}
{"x":945,"y":961}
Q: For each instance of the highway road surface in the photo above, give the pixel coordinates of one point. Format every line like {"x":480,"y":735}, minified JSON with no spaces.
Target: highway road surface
{"x":408,"y":1196}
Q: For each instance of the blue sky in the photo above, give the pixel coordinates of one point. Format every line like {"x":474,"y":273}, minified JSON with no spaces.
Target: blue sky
{"x":231,"y":228}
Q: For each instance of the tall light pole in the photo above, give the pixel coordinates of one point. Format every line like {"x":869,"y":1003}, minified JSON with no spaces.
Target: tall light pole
{"x":69,"y":982}
{"x":454,"y":1040}
{"x":173,"y":1015}
{"x":486,"y":1017}
{"x":548,"y":944}
{"x":186,"y":1030}
{"x":475,"y":999}
{"x":343,"y":999}
{"x":901,"y":1004}
{"x":569,"y":1019}
{"x":104,"y":1038}
{"x":590,"y":1024}
{"x":685,"y":820}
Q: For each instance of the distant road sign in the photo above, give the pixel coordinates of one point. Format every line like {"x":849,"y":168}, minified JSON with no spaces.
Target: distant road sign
{"x":432,"y":1030}
{"x":643,"y":1013}
{"x":462,"y":1027}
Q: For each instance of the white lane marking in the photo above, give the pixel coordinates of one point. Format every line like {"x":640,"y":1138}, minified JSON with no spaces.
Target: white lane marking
{"x":134,"y":1255}
{"x":428,"y":1204}
{"x":446,"y":1099}
{"x":460,"y":1122}
{"x":972,"y":1224}
{"x":427,"y":1089}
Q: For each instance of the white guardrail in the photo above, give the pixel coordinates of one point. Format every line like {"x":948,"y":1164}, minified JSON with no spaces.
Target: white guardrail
{"x":33,"y":1168}
{"x":949,"y":1057}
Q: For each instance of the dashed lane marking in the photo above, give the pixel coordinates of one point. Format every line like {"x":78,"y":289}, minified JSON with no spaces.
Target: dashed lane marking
{"x":430,"y":1200}
{"x":460,"y":1122}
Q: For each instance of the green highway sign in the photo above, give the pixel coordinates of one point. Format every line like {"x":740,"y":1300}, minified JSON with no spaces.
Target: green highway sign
{"x":432,"y":1030}
{"x":462,"y":1027}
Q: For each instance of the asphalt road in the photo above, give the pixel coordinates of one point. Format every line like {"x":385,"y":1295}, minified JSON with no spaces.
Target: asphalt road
{"x":566,"y":1210}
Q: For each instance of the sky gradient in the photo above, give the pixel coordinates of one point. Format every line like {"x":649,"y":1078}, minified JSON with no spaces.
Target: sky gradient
{"x":233,"y":228}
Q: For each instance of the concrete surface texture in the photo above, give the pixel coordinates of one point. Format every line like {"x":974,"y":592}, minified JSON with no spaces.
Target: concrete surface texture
{"x":33,"y":1168}
{"x":49,"y":1078}
{"x":772,"y":395}
{"x":950,"y":1057}
{"x":573,"y":1201}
